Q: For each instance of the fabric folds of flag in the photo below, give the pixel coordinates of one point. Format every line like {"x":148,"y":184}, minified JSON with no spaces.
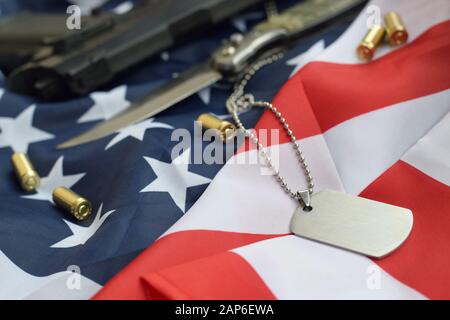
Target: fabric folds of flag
{"x":379,"y":129}
{"x":137,"y":190}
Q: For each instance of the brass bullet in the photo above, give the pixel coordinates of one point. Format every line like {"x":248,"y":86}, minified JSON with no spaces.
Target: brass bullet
{"x":226,"y":130}
{"x":78,"y":206}
{"x":395,"y":29}
{"x":370,"y":42}
{"x":28,"y":177}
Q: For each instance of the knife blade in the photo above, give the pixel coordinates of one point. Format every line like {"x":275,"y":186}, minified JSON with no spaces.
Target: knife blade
{"x":227,"y":62}
{"x":174,"y":91}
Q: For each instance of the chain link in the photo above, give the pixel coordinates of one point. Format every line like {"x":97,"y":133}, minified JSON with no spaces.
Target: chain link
{"x":239,"y":102}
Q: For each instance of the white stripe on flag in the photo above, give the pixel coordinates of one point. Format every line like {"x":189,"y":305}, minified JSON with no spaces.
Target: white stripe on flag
{"x":431,"y":154}
{"x":366,"y":146}
{"x":296,"y":268}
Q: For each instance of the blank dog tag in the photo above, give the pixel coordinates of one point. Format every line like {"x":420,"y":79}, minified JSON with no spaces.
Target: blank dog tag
{"x":372,"y":228}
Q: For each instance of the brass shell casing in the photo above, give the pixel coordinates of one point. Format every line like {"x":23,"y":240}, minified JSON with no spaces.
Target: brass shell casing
{"x":28,"y":177}
{"x":395,"y":29}
{"x":78,"y":206}
{"x":370,"y":42}
{"x":226,"y":130}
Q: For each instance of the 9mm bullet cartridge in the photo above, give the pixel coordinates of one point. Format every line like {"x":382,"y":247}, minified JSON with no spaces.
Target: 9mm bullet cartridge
{"x":28,"y":177}
{"x":370,"y":42}
{"x":395,"y":29}
{"x":225,"y":130}
{"x":76,"y":205}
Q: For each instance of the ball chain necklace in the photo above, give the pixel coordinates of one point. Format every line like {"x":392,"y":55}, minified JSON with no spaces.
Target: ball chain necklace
{"x":368,"y":227}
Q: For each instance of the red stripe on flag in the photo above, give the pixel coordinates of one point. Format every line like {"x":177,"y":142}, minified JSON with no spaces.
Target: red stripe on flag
{"x":222,"y":276}
{"x":322,"y":95}
{"x":171,"y":250}
{"x":423,"y":261}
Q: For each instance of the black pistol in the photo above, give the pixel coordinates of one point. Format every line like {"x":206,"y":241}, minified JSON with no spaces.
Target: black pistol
{"x":42,"y":57}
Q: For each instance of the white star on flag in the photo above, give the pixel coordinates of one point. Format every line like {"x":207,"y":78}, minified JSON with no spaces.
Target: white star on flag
{"x":174,"y":178}
{"x":307,"y":56}
{"x":55,"y":179}
{"x":123,"y":7}
{"x":80,"y":235}
{"x":106,"y":104}
{"x":137,"y":131}
{"x":221,"y":116}
{"x":165,"y":56}
{"x":205,"y":95}
{"x":1,"y":92}
{"x":19,"y":132}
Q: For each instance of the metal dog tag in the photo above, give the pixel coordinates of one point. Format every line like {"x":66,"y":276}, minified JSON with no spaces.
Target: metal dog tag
{"x":372,"y":228}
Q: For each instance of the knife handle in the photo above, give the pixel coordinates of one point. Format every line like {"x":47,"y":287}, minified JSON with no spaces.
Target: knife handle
{"x":234,"y":55}
{"x":308,"y":15}
{"x":278,"y":31}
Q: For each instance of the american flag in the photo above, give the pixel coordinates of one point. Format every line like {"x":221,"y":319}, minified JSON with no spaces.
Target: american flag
{"x":379,"y":130}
